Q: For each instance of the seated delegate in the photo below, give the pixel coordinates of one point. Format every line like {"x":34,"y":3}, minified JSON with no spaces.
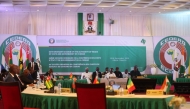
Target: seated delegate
{"x":118,"y":73}
{"x":24,"y":77}
{"x":135,"y":72}
{"x":50,"y":73}
{"x":110,"y":74}
{"x":126,"y":74}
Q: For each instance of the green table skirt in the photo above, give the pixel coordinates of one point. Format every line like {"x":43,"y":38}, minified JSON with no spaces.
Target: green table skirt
{"x":62,"y":102}
{"x":183,"y":80}
{"x":160,"y":78}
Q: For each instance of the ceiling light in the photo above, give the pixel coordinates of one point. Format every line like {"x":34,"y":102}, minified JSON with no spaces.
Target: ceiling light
{"x":129,"y":11}
{"x":159,"y":12}
{"x":100,"y":10}
{"x":6,"y":10}
{"x":68,"y":10}
{"x":37,"y":10}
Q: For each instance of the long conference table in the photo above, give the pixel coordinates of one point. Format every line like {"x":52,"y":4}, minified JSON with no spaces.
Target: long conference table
{"x":37,"y":98}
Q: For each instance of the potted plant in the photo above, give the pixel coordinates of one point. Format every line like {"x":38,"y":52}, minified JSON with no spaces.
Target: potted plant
{"x":176,"y":102}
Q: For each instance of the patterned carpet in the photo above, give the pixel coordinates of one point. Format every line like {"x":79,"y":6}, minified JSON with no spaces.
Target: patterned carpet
{"x":185,"y":106}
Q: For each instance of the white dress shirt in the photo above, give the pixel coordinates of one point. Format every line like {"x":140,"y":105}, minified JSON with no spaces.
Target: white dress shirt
{"x":125,"y":75}
{"x":108,"y":75}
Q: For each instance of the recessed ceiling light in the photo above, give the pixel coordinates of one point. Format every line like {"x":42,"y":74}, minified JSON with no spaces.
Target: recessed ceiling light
{"x":37,"y":10}
{"x":69,"y":10}
{"x":100,"y":10}
{"x":129,"y":11}
{"x":159,"y":12}
{"x":6,"y":10}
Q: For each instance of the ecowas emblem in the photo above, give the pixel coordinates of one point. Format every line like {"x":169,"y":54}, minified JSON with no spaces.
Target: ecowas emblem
{"x":16,"y":48}
{"x":170,"y":49}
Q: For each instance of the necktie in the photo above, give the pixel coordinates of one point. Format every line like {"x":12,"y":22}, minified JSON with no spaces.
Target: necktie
{"x":32,"y":65}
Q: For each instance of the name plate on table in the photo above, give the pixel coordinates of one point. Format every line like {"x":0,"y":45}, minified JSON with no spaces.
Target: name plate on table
{"x":140,"y":76}
{"x":60,"y":77}
{"x":66,"y":90}
{"x":125,"y":92}
{"x":154,"y":92}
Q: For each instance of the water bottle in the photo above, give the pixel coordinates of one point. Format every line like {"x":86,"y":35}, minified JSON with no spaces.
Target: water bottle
{"x":121,"y":91}
{"x":37,"y":84}
{"x":55,"y":77}
{"x":59,"y":88}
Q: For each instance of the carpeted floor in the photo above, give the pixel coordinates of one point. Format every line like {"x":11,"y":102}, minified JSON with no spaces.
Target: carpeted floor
{"x":185,"y":106}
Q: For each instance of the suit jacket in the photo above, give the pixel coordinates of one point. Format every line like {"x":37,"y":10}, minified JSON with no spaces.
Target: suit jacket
{"x":22,"y":86}
{"x":35,"y":66}
{"x":9,"y":78}
{"x":1,"y":77}
{"x":30,"y":77}
{"x":94,"y":75}
{"x":134,"y":74}
{"x":26,"y":80}
{"x":118,"y":74}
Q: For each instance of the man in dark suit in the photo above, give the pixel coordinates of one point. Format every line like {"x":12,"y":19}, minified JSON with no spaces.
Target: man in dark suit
{"x":17,"y":78}
{"x":24,"y":77}
{"x":34,"y":69}
{"x":134,"y":73}
{"x":118,"y":73}
{"x":106,"y":71}
{"x":11,"y":74}
{"x":96,"y":73}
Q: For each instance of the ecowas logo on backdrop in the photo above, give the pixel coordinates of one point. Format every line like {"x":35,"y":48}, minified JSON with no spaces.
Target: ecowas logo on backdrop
{"x":167,"y":50}
{"x":13,"y":46}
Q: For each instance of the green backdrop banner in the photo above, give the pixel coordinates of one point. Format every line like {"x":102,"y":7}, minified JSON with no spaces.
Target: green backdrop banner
{"x":73,"y":54}
{"x":77,"y":58}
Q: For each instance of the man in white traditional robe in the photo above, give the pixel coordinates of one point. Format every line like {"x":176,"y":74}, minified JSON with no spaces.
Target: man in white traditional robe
{"x":87,"y":75}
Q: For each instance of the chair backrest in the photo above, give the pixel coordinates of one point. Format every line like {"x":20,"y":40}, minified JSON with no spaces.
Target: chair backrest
{"x":11,"y":95}
{"x":91,"y":96}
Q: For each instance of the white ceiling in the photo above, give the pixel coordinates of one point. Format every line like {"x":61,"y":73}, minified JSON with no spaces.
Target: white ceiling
{"x":107,"y":6}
